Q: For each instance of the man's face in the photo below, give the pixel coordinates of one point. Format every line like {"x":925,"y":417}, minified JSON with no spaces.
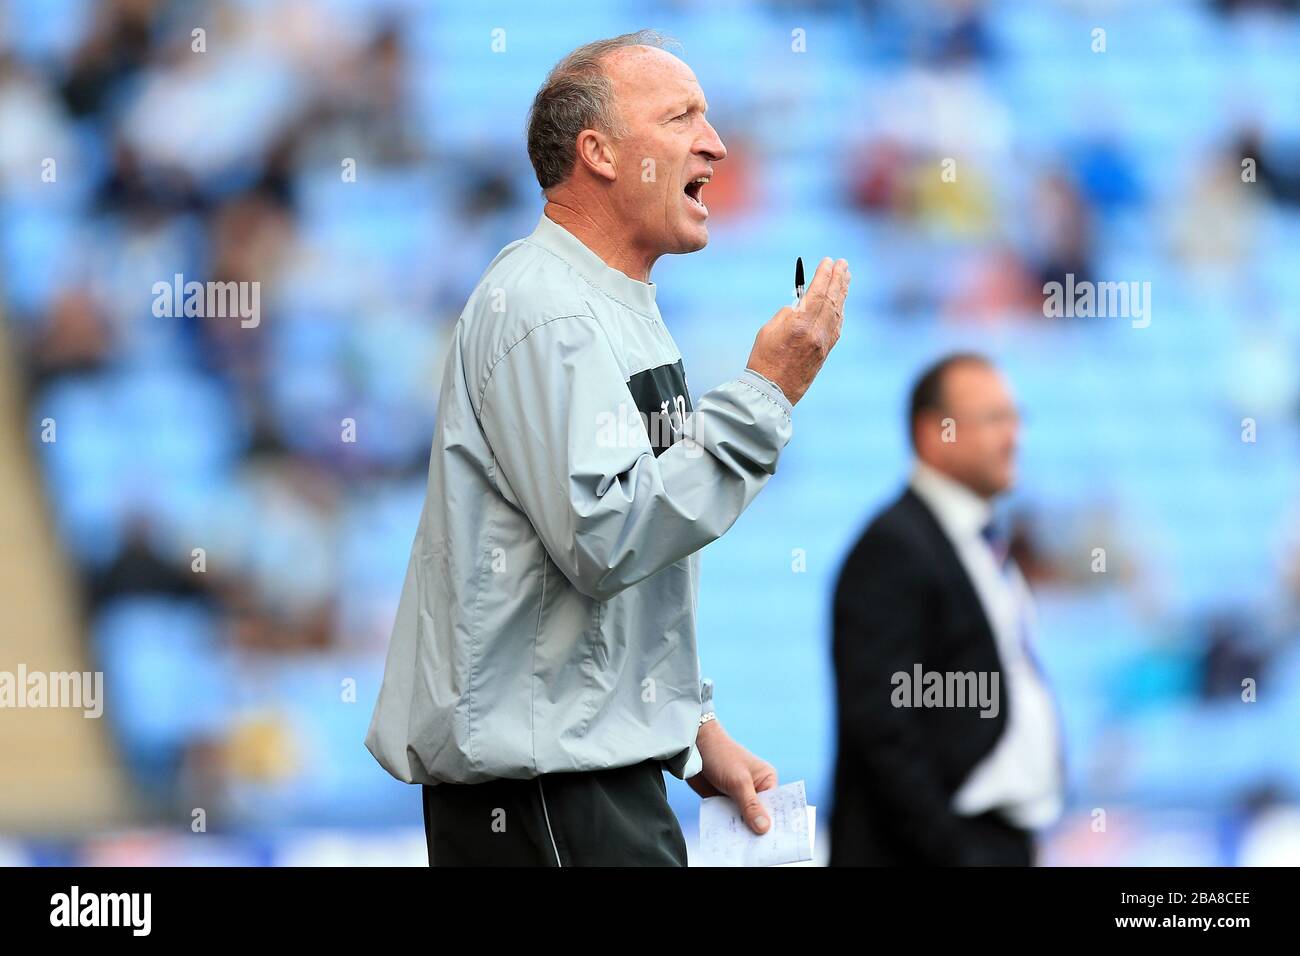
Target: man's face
{"x":669,"y":145}
{"x":986,"y":429}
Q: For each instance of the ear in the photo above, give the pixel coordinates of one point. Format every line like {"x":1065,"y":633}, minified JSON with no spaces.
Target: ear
{"x":596,"y":153}
{"x":929,"y":426}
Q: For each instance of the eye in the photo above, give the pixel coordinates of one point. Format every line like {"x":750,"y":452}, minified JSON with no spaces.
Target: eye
{"x":682,"y":115}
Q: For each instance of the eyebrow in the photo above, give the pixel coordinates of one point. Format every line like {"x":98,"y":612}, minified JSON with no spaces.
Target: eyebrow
{"x":678,"y":109}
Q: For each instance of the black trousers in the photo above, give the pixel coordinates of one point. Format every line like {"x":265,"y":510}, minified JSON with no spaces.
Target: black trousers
{"x":861,"y":838}
{"x":617,"y":817}
{"x":992,"y":841}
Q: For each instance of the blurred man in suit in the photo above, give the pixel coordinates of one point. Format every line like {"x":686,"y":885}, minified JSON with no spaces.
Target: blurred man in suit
{"x":949,"y":746}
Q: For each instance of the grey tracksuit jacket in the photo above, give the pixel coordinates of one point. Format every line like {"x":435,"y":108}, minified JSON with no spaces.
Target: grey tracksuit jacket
{"x":547,"y":619}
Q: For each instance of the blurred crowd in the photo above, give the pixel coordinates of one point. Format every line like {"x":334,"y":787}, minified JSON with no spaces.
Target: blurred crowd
{"x":239,"y":501}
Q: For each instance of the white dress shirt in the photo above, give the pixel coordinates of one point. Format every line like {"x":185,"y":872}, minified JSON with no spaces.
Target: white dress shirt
{"x":1021,"y":776}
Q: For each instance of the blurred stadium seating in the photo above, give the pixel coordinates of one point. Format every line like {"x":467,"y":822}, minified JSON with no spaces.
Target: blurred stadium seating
{"x":246,"y":689}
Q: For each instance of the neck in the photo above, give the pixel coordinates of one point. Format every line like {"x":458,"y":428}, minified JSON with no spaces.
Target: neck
{"x":945,"y":473}
{"x":598,"y":230}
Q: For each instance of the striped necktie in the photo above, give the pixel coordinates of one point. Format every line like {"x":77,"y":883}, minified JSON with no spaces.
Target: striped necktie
{"x":999,"y":543}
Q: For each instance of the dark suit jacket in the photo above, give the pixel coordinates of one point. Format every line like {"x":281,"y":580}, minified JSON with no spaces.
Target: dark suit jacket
{"x":904,"y":598}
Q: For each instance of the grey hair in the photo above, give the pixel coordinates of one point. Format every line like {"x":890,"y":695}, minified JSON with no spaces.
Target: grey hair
{"x":578,"y":95}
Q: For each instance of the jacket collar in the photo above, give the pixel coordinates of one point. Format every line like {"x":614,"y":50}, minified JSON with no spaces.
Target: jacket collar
{"x":638,"y":296}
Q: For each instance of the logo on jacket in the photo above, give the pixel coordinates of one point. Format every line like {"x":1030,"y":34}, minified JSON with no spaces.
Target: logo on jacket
{"x":663,"y":400}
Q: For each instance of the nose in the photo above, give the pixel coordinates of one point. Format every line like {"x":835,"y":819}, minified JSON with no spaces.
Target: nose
{"x":710,"y":145}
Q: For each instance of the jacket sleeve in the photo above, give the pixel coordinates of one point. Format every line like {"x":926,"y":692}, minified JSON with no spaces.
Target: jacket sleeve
{"x":879,"y":621}
{"x":556,"y":408}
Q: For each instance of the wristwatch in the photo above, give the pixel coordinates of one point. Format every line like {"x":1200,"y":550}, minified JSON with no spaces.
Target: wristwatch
{"x":706,"y":702}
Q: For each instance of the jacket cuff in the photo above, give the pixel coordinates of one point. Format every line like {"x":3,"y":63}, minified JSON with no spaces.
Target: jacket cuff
{"x":769,"y":388}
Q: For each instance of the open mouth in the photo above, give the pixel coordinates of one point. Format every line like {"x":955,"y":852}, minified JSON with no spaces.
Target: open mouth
{"x":694,"y":191}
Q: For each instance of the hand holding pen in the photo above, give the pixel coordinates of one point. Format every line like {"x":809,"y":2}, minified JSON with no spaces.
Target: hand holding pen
{"x":792,"y":347}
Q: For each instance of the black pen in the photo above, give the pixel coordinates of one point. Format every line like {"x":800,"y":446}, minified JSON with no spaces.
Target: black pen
{"x":798,"y":279}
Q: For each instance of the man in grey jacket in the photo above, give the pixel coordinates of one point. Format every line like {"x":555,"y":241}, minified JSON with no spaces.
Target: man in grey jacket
{"x":543,"y":668}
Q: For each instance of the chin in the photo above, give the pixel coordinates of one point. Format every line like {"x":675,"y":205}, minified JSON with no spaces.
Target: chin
{"x":693,"y":239}
{"x":991,"y":484}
